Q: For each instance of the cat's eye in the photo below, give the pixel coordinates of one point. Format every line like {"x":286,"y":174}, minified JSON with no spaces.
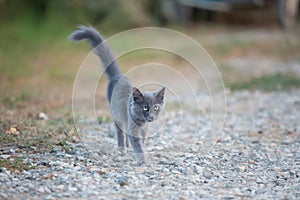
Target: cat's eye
{"x":156,"y":108}
{"x":145,"y":108}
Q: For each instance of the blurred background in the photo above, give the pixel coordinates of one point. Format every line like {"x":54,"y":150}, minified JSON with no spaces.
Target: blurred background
{"x":255,"y":43}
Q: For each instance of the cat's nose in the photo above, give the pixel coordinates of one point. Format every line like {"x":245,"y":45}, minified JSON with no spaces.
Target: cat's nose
{"x":150,"y":118}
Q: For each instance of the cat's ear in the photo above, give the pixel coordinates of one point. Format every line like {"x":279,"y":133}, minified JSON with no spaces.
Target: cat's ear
{"x":160,"y":95}
{"x":137,"y":95}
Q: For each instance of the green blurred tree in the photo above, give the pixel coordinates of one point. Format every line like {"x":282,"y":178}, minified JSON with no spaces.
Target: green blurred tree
{"x":113,"y":14}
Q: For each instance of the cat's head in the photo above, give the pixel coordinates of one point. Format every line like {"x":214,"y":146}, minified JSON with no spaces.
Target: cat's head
{"x":146,"y":106}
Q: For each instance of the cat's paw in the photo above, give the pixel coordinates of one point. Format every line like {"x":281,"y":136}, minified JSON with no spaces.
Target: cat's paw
{"x":140,"y":159}
{"x":122,"y":151}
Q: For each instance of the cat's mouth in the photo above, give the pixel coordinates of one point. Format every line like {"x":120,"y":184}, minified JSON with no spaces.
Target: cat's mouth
{"x":150,"y":119}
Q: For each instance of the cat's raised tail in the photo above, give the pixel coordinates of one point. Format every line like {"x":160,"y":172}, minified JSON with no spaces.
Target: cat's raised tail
{"x":90,"y":34}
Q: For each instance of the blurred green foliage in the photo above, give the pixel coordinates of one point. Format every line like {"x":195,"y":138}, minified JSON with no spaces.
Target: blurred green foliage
{"x":31,"y":27}
{"x":269,"y":82}
{"x":112,"y":14}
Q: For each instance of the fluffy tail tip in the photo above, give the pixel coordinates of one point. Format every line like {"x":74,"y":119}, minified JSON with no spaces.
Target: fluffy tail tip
{"x":78,"y":34}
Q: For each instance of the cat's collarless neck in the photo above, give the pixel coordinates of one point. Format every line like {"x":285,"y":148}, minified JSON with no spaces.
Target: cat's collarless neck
{"x":138,"y":122}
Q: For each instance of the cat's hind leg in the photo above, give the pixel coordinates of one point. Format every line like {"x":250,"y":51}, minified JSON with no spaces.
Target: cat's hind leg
{"x":127,"y":141}
{"x":121,"y":138}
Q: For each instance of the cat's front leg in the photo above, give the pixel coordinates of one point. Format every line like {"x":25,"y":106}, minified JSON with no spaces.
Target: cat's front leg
{"x":137,"y":146}
{"x":143,"y":134}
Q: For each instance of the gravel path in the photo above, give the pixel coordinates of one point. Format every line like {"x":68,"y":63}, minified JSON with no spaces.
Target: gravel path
{"x":257,"y":157}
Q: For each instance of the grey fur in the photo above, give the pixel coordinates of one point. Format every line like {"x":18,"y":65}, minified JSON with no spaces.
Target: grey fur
{"x":94,"y":38}
{"x":131,"y":109}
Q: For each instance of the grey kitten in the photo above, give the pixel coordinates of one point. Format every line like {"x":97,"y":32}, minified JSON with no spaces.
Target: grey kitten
{"x":131,"y":109}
